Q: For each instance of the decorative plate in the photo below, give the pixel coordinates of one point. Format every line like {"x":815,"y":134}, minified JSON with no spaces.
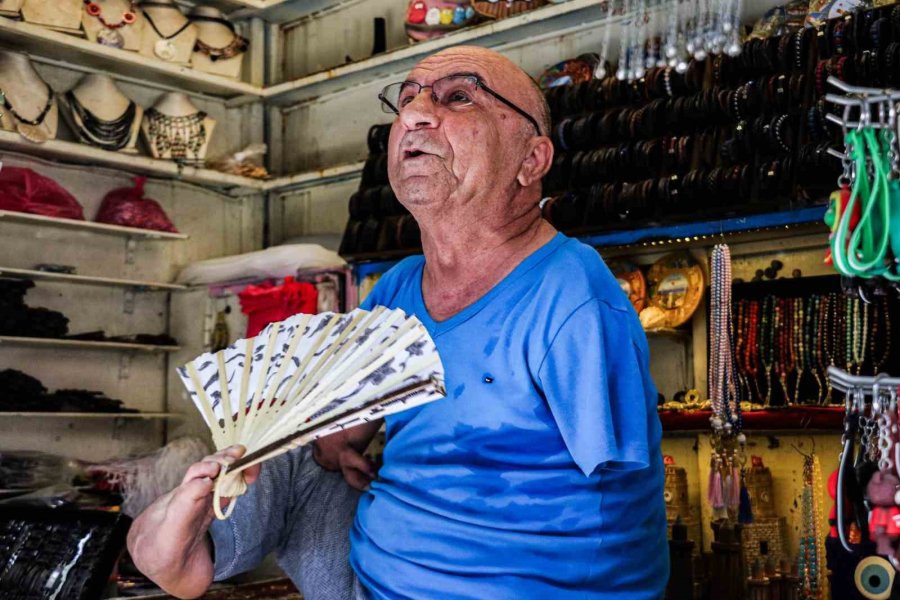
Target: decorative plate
{"x":676,"y":285}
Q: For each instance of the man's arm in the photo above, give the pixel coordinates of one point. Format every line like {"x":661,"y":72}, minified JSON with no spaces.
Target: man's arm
{"x":342,"y":452}
{"x":168,"y":541}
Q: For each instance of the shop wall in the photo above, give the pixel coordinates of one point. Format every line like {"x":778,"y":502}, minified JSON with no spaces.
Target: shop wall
{"x":218,"y":225}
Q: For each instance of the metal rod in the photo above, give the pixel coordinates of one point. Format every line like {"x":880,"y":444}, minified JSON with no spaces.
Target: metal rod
{"x":850,"y":124}
{"x":863,"y":91}
{"x":843,"y":381}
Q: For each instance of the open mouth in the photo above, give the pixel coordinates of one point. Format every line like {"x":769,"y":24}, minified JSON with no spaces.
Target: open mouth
{"x":413,"y":153}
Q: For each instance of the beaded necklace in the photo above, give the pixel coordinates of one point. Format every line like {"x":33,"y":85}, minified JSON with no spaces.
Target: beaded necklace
{"x":812,"y":354}
{"x":751,"y":359}
{"x":886,"y":333}
{"x":824,"y":354}
{"x":856,"y":335}
{"x":109,"y":36}
{"x":728,"y":440}
{"x":810,"y":559}
{"x":767,"y":345}
{"x":800,"y":349}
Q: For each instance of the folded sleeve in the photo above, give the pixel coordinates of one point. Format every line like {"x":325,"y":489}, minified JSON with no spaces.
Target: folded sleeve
{"x":595,"y":377}
{"x":258,"y":522}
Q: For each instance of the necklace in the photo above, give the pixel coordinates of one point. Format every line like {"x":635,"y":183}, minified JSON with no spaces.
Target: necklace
{"x":31,"y":129}
{"x":180,"y":137}
{"x":109,"y":135}
{"x":238,"y":44}
{"x":164,"y":48}
{"x":767,"y":344}
{"x":810,"y":560}
{"x":885,"y":311}
{"x":109,"y":36}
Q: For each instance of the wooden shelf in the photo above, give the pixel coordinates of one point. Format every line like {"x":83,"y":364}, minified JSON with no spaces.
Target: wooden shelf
{"x":554,"y":19}
{"x":89,"y":226}
{"x":83,"y":344}
{"x":80,"y":54}
{"x":89,"y":280}
{"x":70,"y":152}
{"x":314,"y":178}
{"x":87,"y":415}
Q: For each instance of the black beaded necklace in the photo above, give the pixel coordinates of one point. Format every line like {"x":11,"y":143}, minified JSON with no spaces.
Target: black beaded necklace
{"x":33,"y":122}
{"x":109,"y":135}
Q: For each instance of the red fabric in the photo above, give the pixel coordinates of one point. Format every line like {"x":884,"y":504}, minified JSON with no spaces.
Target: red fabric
{"x":812,"y":417}
{"x":129,"y":208}
{"x":268,"y":303}
{"x":23,"y":190}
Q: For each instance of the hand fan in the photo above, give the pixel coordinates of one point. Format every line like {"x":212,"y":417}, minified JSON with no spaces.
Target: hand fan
{"x":307,"y":377}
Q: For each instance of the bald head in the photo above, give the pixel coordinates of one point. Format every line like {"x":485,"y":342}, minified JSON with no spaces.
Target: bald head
{"x":460,"y":148}
{"x":500,"y":74}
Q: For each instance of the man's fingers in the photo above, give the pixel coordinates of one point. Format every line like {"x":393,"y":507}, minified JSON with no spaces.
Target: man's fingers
{"x":203,"y":469}
{"x":354,"y":460}
{"x":356,"y":479}
{"x":196,"y":489}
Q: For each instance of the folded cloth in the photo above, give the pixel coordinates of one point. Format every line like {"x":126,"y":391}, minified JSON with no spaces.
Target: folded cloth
{"x":274,"y":262}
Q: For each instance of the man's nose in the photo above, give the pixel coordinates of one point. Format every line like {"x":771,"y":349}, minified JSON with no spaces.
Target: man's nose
{"x":421,"y":112}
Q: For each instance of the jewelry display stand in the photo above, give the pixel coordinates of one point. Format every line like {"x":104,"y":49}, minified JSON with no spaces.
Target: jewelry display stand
{"x":219,"y":48}
{"x":120,"y":33}
{"x":101,"y":115}
{"x":30,"y":107}
{"x":11,"y":8}
{"x":168,"y":34}
{"x":176,"y":129}
{"x":62,"y":15}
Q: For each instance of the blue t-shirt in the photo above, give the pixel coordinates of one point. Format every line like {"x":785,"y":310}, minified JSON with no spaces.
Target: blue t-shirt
{"x":540,"y":474}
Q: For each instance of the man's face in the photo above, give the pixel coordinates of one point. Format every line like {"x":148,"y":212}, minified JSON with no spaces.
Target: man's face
{"x":438,"y":157}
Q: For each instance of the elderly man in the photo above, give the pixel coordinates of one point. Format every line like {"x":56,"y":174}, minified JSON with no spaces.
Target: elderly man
{"x":540,"y":474}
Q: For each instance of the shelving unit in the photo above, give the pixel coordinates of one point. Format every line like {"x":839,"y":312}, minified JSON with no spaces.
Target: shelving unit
{"x":51,"y":46}
{"x":90,"y":280}
{"x":551,"y":20}
{"x":83,"y":344}
{"x":88,"y":226}
{"x":315,"y":177}
{"x":72,"y":153}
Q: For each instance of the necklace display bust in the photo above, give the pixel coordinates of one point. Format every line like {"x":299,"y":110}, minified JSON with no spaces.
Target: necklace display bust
{"x":168,"y":35}
{"x":176,"y":129}
{"x":101,"y":115}
{"x":117,"y":31}
{"x":220,"y":48}
{"x":30,"y":106}
{"x":11,"y":8}
{"x":64,"y":15}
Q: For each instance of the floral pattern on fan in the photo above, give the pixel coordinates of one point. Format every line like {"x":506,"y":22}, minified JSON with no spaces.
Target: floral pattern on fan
{"x":309,"y":376}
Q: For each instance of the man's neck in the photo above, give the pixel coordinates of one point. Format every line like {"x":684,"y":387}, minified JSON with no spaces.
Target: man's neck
{"x":462,"y":264}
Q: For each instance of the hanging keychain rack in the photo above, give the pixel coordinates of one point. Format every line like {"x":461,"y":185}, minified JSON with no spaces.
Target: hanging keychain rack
{"x":845,"y":382}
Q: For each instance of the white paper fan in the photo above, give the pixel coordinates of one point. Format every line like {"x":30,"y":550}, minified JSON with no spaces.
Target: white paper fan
{"x":307,"y":377}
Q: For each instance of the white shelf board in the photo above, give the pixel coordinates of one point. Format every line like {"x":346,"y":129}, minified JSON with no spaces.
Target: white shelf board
{"x":71,"y":152}
{"x":87,"y":415}
{"x":88,"y":280}
{"x":83,"y":344}
{"x":132,"y":232}
{"x":80,"y":54}
{"x":554,"y":19}
{"x":314,"y":178}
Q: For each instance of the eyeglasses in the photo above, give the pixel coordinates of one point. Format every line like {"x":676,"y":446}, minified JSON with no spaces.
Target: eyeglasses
{"x":453,"y":92}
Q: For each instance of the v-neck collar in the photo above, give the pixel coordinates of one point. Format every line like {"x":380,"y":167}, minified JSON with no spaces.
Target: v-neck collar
{"x":437,"y":328}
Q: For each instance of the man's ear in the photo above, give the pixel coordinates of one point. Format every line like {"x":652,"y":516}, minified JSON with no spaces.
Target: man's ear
{"x":537,"y":162}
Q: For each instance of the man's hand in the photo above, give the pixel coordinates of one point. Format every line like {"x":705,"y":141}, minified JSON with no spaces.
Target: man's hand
{"x":342,"y":452}
{"x":168,"y":541}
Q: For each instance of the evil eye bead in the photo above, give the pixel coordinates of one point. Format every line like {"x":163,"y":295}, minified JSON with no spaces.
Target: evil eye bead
{"x":93,"y":9}
{"x":129,"y":17}
{"x":874,"y":578}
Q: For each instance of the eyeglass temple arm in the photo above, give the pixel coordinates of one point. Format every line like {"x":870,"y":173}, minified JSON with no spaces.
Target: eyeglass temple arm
{"x":512,"y":106}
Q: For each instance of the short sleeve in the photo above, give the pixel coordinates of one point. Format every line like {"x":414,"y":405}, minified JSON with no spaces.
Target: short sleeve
{"x":595,"y":377}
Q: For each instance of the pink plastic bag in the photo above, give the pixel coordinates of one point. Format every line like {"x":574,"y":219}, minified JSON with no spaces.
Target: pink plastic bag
{"x":129,"y":208}
{"x":23,"y":190}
